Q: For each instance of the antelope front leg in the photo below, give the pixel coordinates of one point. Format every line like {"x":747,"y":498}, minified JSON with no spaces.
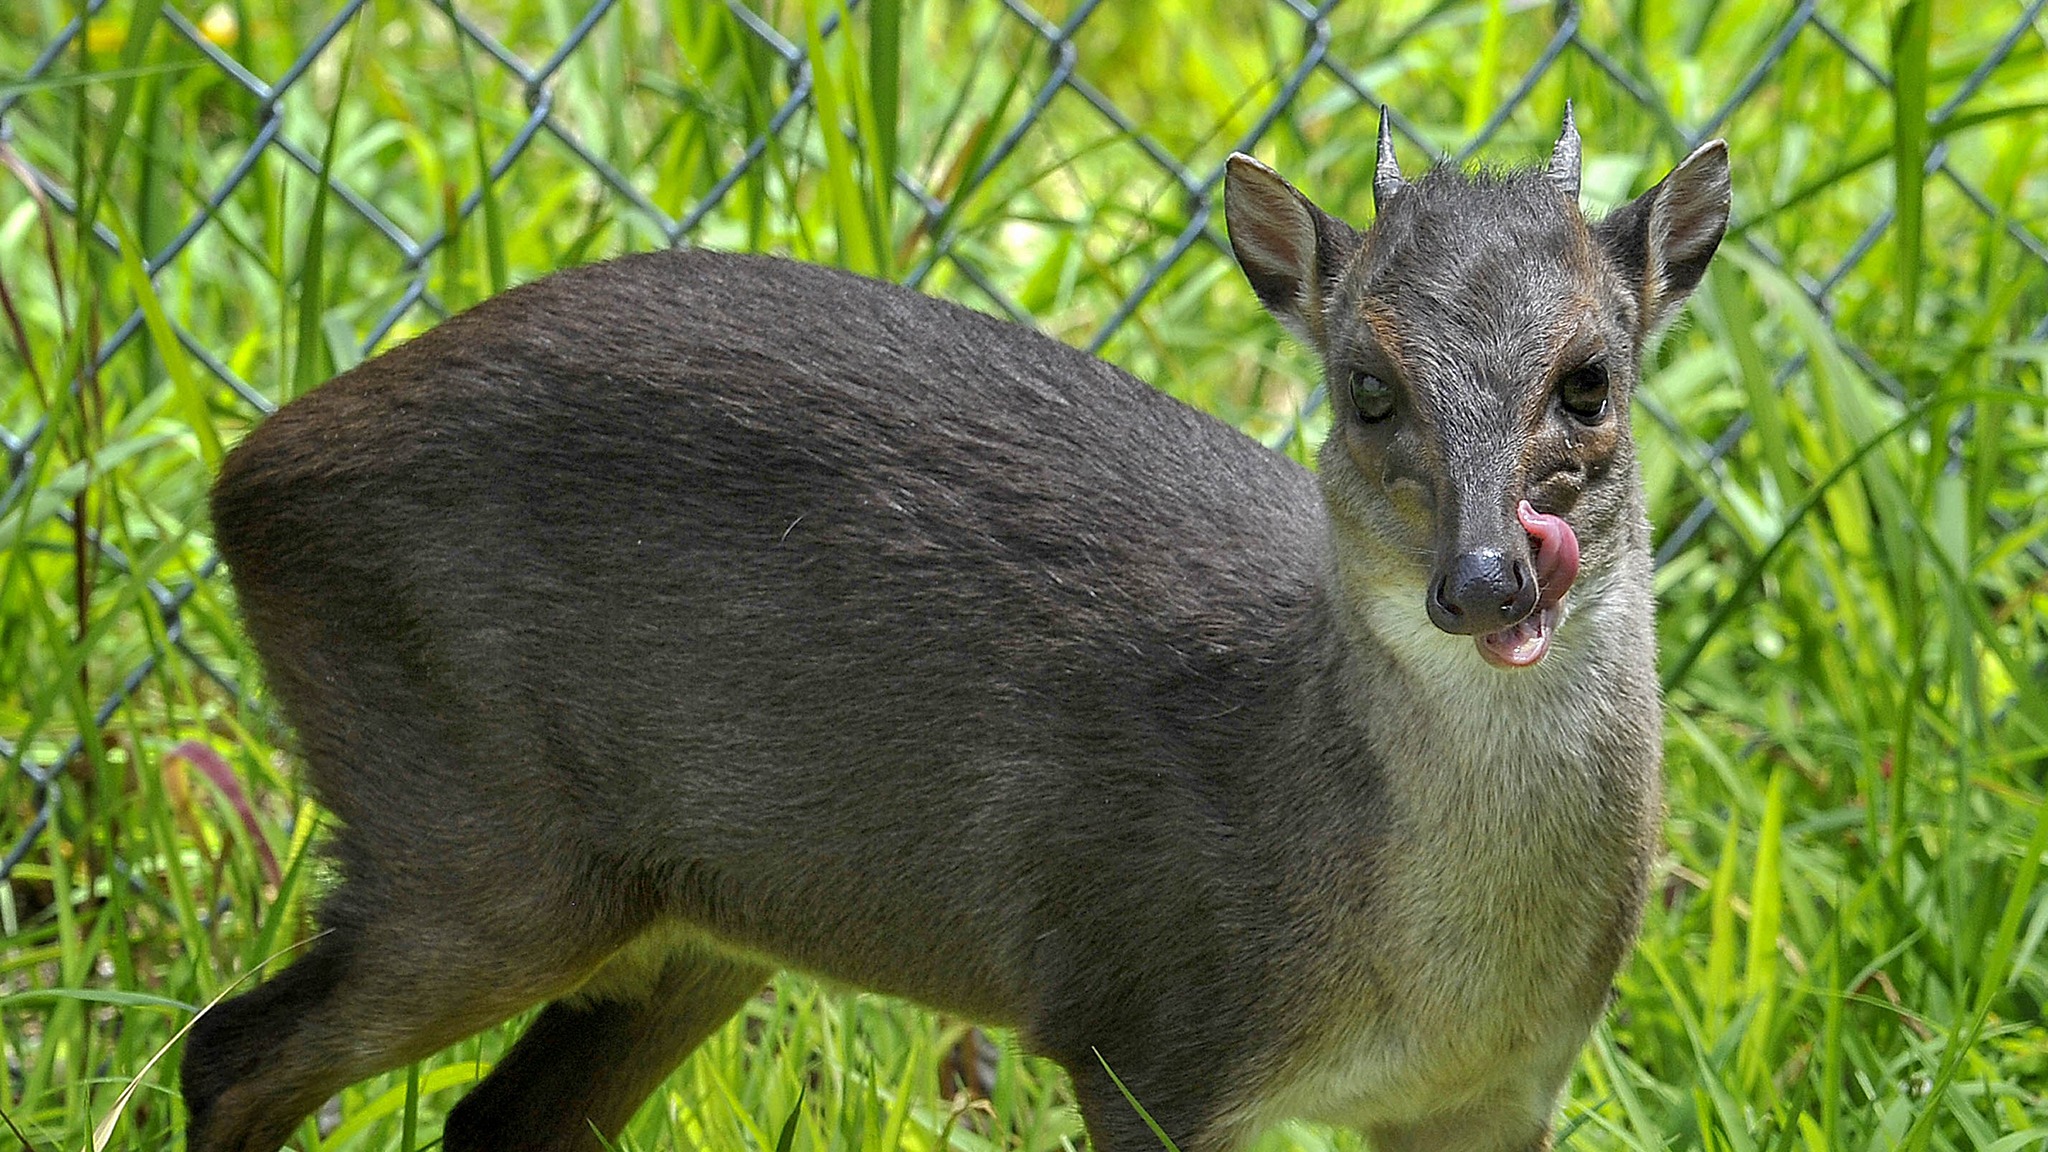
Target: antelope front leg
{"x":1513,"y":1115}
{"x":1466,"y":1131}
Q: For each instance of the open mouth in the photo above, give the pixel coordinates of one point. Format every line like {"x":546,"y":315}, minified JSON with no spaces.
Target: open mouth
{"x":1557,"y":565}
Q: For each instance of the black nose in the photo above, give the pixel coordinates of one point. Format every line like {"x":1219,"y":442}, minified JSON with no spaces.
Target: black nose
{"x":1483,"y":592}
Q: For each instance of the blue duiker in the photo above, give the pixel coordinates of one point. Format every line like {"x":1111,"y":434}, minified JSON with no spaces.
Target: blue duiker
{"x":669,"y":621}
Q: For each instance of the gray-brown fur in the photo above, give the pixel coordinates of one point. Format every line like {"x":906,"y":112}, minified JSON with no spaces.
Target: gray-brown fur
{"x":672,"y":619}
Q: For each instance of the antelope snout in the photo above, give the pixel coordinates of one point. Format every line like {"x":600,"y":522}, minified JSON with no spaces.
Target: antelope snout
{"x":1481,"y":592}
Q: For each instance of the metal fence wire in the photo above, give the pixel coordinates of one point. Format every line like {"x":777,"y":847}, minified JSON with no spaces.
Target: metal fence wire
{"x":1343,"y":75}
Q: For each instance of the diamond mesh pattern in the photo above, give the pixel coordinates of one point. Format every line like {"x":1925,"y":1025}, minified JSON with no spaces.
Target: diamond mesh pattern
{"x":1346,"y":64}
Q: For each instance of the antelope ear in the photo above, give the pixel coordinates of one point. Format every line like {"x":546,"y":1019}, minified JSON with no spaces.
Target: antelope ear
{"x":1663,"y":239}
{"x":1291,"y":251}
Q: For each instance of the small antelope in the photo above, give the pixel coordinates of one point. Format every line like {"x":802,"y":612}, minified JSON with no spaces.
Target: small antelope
{"x":669,"y":621}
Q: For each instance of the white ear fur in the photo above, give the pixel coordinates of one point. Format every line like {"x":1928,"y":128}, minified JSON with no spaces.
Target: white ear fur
{"x":1664,"y":238}
{"x":1686,"y":225}
{"x":1273,"y":232}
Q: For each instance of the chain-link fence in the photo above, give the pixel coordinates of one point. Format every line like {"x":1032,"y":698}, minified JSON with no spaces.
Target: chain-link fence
{"x":1332,"y":74}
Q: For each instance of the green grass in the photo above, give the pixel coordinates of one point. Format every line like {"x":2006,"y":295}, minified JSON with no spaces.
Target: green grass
{"x":1845,"y":948}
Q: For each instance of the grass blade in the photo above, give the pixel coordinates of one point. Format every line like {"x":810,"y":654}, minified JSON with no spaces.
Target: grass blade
{"x":1912,"y":31}
{"x":310,"y":366}
{"x":1164,"y":1140}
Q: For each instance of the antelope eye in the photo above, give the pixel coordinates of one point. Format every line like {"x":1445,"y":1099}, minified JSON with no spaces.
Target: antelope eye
{"x":1371,"y":397}
{"x":1583,"y":392}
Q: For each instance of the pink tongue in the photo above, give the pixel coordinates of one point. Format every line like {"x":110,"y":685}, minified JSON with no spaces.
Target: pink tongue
{"x":1557,"y":565}
{"x":1557,"y":553}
